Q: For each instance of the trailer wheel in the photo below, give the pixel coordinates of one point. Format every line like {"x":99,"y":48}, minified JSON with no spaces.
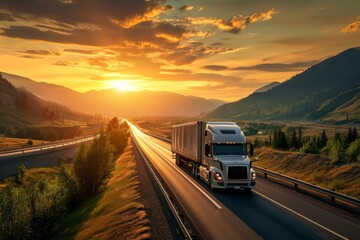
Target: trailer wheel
{"x":195,"y":171}
{"x":178,"y":160}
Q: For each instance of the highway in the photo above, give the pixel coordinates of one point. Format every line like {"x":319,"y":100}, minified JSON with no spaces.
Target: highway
{"x":269,"y":212}
{"x":39,"y":156}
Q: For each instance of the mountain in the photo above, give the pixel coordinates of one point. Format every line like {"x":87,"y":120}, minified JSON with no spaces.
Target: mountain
{"x":24,"y":115}
{"x":267,"y":87}
{"x":112,"y":102}
{"x":328,"y":91}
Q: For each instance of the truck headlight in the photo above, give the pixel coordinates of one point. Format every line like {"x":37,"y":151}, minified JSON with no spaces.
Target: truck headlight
{"x":253,"y":176}
{"x":217,"y":176}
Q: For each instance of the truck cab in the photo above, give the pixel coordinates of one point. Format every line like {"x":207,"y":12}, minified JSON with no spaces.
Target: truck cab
{"x":226,"y":164}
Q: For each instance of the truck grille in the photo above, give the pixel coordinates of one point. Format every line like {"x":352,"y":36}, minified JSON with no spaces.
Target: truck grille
{"x":237,"y":172}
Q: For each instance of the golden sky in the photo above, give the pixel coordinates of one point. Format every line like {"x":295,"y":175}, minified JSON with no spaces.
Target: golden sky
{"x":222,"y":49}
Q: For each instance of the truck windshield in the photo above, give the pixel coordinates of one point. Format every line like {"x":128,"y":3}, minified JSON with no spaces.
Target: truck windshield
{"x":229,"y":149}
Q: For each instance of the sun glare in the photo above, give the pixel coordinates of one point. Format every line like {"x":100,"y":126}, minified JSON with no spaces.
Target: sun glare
{"x":122,"y":85}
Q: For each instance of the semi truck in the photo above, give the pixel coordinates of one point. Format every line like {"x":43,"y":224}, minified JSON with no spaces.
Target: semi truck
{"x":217,"y":153}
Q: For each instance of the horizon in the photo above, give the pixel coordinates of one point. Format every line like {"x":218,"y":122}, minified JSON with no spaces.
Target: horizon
{"x":186,"y":47}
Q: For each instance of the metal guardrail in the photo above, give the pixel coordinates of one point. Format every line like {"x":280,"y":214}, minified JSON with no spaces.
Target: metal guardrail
{"x":177,"y":216}
{"x":298,"y":183}
{"x":54,"y":145}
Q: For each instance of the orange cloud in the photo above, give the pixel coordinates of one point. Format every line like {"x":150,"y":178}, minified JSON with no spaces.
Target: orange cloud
{"x":186,"y":8}
{"x":234,"y":24}
{"x":168,"y":37}
{"x":147,"y":16}
{"x":352,"y":27}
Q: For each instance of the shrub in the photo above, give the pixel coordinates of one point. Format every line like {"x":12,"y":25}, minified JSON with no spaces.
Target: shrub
{"x":338,"y":184}
{"x":353,"y":152}
{"x":337,"y":152}
{"x":310,"y":147}
{"x":30,"y":142}
{"x":20,"y":174}
{"x":94,"y":164}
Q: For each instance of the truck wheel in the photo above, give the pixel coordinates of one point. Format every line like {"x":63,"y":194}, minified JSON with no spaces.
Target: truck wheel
{"x":195,"y":170}
{"x":178,"y":161}
{"x":210,"y":182}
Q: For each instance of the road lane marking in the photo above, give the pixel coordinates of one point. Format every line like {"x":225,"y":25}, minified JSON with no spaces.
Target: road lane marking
{"x":180,"y":172}
{"x":299,"y":215}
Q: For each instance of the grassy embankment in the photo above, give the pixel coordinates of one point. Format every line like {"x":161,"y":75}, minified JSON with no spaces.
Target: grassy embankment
{"x":14,"y":143}
{"x":117,"y":212}
{"x":312,"y":168}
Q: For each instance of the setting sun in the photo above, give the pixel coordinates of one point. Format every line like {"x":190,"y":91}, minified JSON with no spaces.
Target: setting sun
{"x":122,"y":85}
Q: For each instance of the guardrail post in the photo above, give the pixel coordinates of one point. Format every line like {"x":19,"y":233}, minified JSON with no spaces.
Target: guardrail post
{"x":265,"y":175}
{"x":296,"y":186}
{"x":332,"y":198}
{"x":181,"y":216}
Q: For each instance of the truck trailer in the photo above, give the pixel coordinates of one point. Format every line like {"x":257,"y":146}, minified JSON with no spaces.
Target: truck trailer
{"x":217,"y":151}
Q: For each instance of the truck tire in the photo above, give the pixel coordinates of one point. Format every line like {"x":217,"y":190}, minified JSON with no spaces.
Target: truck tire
{"x":210,"y":182}
{"x":177,"y":160}
{"x":195,"y":170}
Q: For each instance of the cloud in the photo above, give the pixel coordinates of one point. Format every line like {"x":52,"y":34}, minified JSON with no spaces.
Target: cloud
{"x":30,"y":57}
{"x":63,"y":63}
{"x":81,"y":51}
{"x":6,"y":17}
{"x":98,"y":62}
{"x":352,"y":27}
{"x":234,"y":24}
{"x":40,"y":52}
{"x":216,"y":67}
{"x":186,"y":8}
{"x":279,"y":67}
{"x":144,"y":17}
{"x":174,"y":71}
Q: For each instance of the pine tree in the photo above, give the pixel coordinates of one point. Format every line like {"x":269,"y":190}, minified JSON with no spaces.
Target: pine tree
{"x":323,"y":139}
{"x":275,"y":143}
{"x":349,"y":136}
{"x":300,"y":137}
{"x":293,"y":143}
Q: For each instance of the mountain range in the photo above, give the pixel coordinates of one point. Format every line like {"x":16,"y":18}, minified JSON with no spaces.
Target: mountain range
{"x":328,"y":91}
{"x":20,"y":108}
{"x":112,"y":102}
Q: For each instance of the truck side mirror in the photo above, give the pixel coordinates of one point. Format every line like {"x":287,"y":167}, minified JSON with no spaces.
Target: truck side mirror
{"x":208,"y":151}
{"x":251,"y":150}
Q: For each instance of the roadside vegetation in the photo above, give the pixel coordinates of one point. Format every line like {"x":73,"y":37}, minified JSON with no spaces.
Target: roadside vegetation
{"x":332,"y":162}
{"x":34,"y":203}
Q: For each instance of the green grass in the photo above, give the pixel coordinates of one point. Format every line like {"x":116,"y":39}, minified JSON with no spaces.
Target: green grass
{"x":116,"y":213}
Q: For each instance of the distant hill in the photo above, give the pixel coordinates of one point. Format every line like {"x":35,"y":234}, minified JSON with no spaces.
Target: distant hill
{"x":112,"y":102}
{"x":267,"y":87}
{"x":23,"y":114}
{"x":328,"y":91}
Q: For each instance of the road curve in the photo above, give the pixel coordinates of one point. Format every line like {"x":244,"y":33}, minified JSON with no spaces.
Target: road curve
{"x":270,"y":212}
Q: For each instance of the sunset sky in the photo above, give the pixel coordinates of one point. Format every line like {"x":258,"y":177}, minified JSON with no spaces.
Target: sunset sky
{"x":221,"y":49}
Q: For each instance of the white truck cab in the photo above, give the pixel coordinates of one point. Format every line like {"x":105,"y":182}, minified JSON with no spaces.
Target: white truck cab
{"x":218,"y":152}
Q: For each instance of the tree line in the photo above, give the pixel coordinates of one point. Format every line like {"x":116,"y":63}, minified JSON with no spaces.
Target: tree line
{"x":342,"y":148}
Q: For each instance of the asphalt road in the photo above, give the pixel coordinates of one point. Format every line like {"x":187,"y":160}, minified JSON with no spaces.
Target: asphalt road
{"x":270,"y":212}
{"x":48,"y":158}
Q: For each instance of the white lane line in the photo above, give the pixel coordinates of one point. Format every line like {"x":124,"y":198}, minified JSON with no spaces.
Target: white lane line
{"x":186,"y":177}
{"x":299,"y":215}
